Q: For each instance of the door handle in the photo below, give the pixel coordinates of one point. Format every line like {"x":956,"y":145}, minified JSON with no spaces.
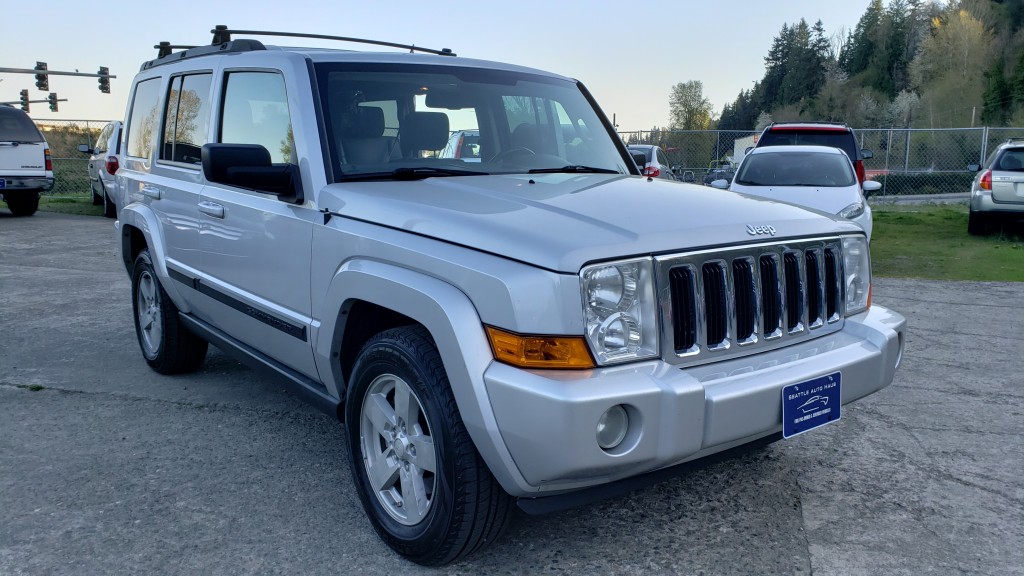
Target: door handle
{"x":153,"y":193}
{"x":211,"y":209}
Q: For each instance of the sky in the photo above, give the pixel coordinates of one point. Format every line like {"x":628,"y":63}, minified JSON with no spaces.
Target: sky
{"x":628,"y":54}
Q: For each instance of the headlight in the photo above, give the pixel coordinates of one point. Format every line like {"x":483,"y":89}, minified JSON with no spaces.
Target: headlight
{"x":857,"y":279}
{"x":852,"y":211}
{"x":619,"y":311}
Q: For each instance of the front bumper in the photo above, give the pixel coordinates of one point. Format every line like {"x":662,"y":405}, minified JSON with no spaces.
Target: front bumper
{"x":548,"y":419}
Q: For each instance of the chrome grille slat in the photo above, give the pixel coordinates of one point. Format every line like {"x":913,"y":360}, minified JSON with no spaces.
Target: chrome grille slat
{"x":724,"y":303}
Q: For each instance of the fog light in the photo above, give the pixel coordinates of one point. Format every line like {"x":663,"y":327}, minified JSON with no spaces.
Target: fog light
{"x":611,"y":427}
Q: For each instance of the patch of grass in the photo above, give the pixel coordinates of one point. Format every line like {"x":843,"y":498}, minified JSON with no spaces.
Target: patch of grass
{"x":81,"y":206}
{"x":931,"y":241}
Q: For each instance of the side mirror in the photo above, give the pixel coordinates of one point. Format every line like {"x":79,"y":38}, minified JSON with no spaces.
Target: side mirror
{"x":84,"y":149}
{"x":747,"y":150}
{"x":248,"y":166}
{"x":722,"y":184}
{"x":866,"y":154}
{"x":974,"y":167}
{"x":871,"y":186}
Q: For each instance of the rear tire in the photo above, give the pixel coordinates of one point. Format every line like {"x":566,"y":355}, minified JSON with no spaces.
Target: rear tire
{"x":109,"y":208}
{"x":978,"y":224}
{"x":425,"y":488}
{"x":23,"y":205}
{"x":97,"y":197}
{"x":169,"y":348}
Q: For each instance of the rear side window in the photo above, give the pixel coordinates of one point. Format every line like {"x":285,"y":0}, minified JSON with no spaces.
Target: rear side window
{"x":143,"y":119}
{"x":16,"y":126}
{"x":187,"y":118}
{"x":101,"y":140}
{"x":256,"y":112}
{"x":834,"y":138}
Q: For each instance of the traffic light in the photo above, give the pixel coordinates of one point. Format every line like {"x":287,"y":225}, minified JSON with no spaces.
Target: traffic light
{"x":52,"y":99}
{"x":24,"y":100}
{"x":42,"y":80}
{"x":103,"y":80}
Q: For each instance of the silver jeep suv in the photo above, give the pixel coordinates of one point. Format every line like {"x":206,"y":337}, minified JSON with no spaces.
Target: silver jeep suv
{"x":541,"y":327}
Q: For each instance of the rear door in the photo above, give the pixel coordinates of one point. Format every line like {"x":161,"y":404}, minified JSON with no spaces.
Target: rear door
{"x":1008,"y":177}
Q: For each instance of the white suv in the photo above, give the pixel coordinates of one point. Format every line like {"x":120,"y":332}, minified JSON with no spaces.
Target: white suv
{"x":25,"y":165}
{"x":104,"y":160}
{"x":542,"y":327}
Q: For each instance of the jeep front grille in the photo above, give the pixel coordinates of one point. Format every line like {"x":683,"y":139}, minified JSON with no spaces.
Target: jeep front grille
{"x":724,"y":303}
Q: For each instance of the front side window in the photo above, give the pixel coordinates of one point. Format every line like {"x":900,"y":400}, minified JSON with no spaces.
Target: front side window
{"x":144,"y":119}
{"x":256,"y":112}
{"x":186,"y":118}
{"x":401,"y":120}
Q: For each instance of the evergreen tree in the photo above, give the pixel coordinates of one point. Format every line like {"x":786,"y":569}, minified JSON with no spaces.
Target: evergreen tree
{"x":998,"y":96}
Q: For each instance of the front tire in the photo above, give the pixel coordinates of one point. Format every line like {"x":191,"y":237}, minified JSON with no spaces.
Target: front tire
{"x":169,"y":348}
{"x":426,"y":490}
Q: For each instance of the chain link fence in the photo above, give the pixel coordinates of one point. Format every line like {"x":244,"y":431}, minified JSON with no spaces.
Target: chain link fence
{"x":70,"y":167}
{"x":905,"y":161}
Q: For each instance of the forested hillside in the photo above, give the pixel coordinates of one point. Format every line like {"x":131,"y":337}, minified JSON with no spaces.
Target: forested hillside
{"x":907,"y":63}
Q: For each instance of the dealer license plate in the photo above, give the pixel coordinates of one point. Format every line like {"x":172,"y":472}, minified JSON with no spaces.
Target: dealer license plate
{"x":809,"y":405}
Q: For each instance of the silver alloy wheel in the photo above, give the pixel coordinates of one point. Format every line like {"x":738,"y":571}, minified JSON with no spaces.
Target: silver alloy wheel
{"x":151,"y":327}
{"x":398,"y":449}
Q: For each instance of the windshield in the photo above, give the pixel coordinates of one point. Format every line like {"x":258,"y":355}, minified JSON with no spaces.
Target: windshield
{"x":401,"y":120}
{"x":788,"y":168}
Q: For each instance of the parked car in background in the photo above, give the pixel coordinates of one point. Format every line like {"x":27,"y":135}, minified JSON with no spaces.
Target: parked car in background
{"x":104,"y":160}
{"x":818,"y":177}
{"x":997,"y":192}
{"x":463,"y":145}
{"x":835,"y":134}
{"x":656,"y":165}
{"x":720,"y":171}
{"x":25,"y":165}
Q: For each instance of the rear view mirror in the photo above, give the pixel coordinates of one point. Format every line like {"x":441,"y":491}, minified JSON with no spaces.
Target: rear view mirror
{"x":722,"y":184}
{"x":973,"y":167}
{"x":84,"y":149}
{"x":871,"y":186}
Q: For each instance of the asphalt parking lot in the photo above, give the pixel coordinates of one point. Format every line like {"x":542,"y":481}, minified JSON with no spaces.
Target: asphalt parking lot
{"x":109,"y":468}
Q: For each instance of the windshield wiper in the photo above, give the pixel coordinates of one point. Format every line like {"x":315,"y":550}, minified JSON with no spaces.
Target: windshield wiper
{"x":574,"y":169}
{"x":418,"y":173}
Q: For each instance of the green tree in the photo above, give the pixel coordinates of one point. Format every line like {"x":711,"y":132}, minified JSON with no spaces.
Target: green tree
{"x":998,"y":96}
{"x":689,"y":109}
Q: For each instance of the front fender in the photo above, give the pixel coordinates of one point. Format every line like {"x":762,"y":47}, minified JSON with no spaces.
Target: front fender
{"x":139,"y":217}
{"x":452,"y":320}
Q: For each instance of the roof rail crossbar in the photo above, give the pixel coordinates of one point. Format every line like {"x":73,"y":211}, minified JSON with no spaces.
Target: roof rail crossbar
{"x":165,"y":48}
{"x":223,"y":34}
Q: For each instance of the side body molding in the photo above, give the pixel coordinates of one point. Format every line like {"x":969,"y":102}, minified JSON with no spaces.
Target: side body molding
{"x":453,"y":322}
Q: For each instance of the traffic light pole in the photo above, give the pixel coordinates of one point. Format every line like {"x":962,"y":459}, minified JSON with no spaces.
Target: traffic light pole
{"x":52,"y":73}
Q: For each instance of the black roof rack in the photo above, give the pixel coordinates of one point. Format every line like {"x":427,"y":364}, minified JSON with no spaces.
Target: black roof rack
{"x":222,"y":43}
{"x":1015,"y":139}
{"x":222,"y":33}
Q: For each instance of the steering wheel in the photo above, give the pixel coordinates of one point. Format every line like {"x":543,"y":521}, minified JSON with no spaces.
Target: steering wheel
{"x":512,"y":152}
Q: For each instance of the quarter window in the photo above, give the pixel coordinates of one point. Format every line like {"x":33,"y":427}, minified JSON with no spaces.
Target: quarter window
{"x":256,"y":112}
{"x":144,"y":118}
{"x":187,"y":115}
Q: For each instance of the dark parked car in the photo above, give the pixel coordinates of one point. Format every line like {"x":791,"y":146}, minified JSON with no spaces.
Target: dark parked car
{"x":834,"y":134}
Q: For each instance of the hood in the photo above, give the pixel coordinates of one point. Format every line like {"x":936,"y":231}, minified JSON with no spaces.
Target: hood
{"x":563,"y":221}
{"x":826,"y":199}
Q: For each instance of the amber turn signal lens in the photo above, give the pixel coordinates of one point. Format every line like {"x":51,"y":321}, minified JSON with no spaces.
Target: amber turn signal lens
{"x":539,"y":351}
